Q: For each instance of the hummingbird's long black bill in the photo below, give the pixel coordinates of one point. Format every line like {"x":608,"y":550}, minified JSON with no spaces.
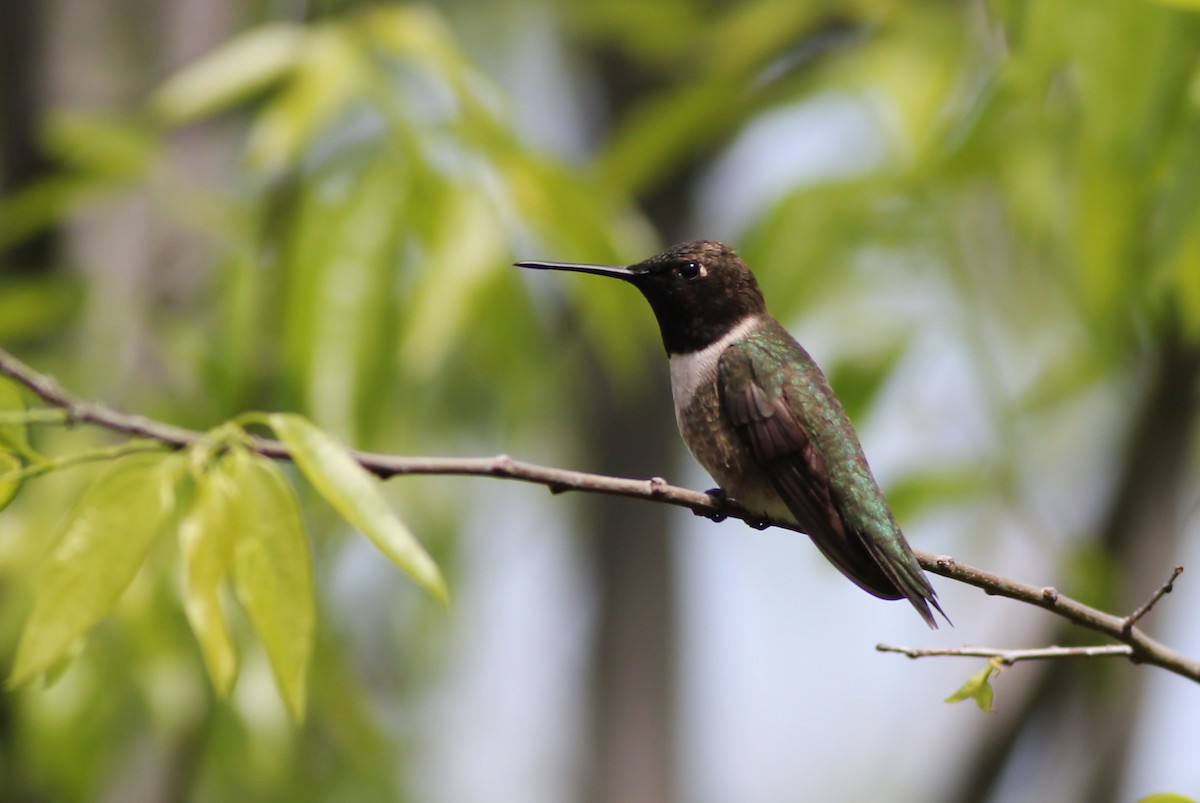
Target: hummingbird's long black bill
{"x":616,"y":271}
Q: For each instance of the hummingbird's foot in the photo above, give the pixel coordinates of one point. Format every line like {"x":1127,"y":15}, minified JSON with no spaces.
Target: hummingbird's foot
{"x":720,"y":499}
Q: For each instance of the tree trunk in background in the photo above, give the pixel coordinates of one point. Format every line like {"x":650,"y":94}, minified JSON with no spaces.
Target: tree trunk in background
{"x":1081,"y":702}
{"x":634,"y":693}
{"x":634,"y":666}
{"x":1142,"y":537}
{"x":22,"y":57}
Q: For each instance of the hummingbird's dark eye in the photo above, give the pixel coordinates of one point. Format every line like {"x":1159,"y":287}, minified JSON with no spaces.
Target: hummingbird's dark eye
{"x":690,"y":271}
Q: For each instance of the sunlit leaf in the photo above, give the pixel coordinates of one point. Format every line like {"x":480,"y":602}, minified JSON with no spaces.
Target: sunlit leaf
{"x":241,"y":338}
{"x":327,"y":76}
{"x":978,"y":688}
{"x":342,"y":310}
{"x":206,"y":536}
{"x":671,"y":127}
{"x":104,"y":146}
{"x":658,"y":135}
{"x":13,"y":437}
{"x":106,"y":538}
{"x":272,"y":568}
{"x":8,"y":487}
{"x":454,"y":272}
{"x":357,"y":496}
{"x":40,"y":204}
{"x":246,"y":64}
{"x":14,"y":442}
{"x":417,"y":32}
{"x":763,"y":30}
{"x":913,"y":74}
{"x":34,"y":306}
{"x":1187,"y":5}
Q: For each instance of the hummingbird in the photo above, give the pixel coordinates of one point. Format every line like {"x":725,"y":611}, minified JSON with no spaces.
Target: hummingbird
{"x":758,"y":414}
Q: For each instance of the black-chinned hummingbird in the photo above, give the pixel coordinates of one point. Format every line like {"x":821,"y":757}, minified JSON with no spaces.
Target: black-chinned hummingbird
{"x":757,"y":412}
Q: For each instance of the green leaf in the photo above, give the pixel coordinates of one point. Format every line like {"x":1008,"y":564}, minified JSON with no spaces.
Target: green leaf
{"x":206,"y":537}
{"x":661,"y":133}
{"x":357,"y":496}
{"x":1166,"y":797}
{"x":105,"y":541}
{"x":13,"y":437}
{"x":1187,"y":5}
{"x":1185,"y":289}
{"x":105,"y":147}
{"x":328,"y":75}
{"x":272,"y":569}
{"x":8,"y":488}
{"x":42,"y":203}
{"x":671,"y":127}
{"x":977,"y":688}
{"x":456,"y":270}
{"x":416,"y":32}
{"x":247,"y":64}
{"x":343,"y":307}
{"x":32,"y":307}
{"x":14,"y":442}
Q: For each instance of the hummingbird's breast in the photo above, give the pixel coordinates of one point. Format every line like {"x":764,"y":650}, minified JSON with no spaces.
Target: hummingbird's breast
{"x":716,"y":445}
{"x":708,"y":432}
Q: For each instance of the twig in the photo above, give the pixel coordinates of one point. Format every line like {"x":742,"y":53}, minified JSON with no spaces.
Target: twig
{"x":37,"y":469}
{"x":1009,"y":657}
{"x":1161,"y":592}
{"x":1142,"y":648}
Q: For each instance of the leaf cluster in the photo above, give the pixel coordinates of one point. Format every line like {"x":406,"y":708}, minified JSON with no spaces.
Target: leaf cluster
{"x":239,"y":528}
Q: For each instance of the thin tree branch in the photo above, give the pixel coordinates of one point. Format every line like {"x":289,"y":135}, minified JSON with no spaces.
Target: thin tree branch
{"x":1145,"y":607}
{"x":1009,"y":657}
{"x":1142,"y":648}
{"x":1129,"y":648}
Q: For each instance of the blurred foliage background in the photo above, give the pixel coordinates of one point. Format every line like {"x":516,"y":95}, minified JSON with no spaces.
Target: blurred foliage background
{"x":982,"y":217}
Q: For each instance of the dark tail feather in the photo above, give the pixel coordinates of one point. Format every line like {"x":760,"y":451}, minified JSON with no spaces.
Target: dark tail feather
{"x":880,"y":574}
{"x":909,"y":580}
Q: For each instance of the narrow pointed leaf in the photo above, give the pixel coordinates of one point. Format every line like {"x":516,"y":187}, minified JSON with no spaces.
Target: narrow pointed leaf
{"x":9,"y":462}
{"x":108,"y":148}
{"x":327,"y":75}
{"x":354,"y":493}
{"x":206,"y":537}
{"x":272,"y":570}
{"x":13,"y":437}
{"x":1187,"y":5}
{"x":248,"y":63}
{"x":14,"y":442}
{"x":104,"y":543}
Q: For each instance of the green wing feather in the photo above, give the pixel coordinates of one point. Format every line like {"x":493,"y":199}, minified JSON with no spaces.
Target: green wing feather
{"x":819,"y":471}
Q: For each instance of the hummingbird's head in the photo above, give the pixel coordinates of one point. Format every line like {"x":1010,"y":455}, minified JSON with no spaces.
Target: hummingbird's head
{"x":698,"y":290}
